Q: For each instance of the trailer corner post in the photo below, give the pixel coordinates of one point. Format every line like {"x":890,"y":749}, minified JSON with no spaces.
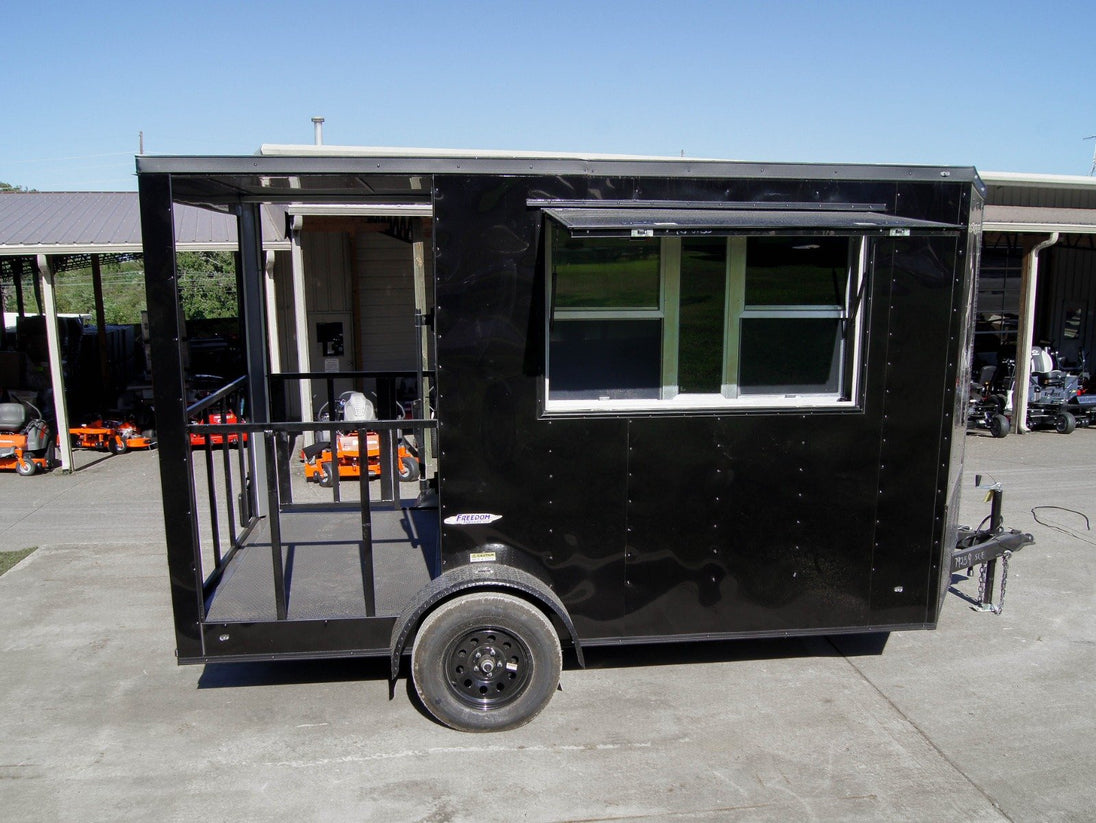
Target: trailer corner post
{"x":169,"y":392}
{"x":57,"y":376}
{"x":1029,"y":281}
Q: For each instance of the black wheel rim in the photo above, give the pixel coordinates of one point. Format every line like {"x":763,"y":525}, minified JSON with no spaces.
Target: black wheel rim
{"x":488,"y":668}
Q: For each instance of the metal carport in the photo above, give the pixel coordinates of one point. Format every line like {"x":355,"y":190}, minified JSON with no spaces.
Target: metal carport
{"x":40,"y":230}
{"x":1039,"y":211}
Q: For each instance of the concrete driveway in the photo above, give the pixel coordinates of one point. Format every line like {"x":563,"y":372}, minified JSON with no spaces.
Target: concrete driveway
{"x":990,"y":718}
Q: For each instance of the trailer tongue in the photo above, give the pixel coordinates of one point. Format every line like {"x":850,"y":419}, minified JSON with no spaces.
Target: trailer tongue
{"x":985,"y":546}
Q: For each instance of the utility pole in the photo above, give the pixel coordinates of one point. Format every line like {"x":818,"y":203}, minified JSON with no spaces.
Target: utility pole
{"x":1092,"y":170}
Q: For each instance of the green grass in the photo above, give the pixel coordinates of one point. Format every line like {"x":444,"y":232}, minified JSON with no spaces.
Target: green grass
{"x":9,"y":559}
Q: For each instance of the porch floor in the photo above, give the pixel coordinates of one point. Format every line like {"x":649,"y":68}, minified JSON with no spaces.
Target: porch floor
{"x":324,"y":560}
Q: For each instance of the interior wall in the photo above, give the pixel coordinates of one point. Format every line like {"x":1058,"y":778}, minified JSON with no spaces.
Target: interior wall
{"x":384,"y":269}
{"x":365,"y":275}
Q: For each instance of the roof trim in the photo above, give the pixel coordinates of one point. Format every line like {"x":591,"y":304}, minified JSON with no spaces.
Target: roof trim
{"x":334,"y":160}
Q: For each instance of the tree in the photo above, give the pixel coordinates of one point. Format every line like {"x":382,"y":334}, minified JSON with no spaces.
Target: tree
{"x":207,"y":284}
{"x":8,"y":188}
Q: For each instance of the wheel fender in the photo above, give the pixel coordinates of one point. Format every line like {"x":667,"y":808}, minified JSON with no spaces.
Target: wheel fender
{"x":490,"y":576}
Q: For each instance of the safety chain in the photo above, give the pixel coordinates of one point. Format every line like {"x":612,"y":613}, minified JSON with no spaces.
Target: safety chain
{"x":989,"y":607}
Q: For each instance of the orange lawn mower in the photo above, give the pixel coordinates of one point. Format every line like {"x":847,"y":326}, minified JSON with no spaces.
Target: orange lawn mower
{"x":114,"y":436}
{"x":318,"y":463}
{"x":228,"y":418}
{"x":25,"y":440}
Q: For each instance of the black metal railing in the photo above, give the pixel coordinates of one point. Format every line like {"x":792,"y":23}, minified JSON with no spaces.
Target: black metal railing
{"x":220,"y":437}
{"x":213,"y":428}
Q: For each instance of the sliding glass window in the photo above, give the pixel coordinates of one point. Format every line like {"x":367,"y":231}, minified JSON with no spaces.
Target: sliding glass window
{"x":702,"y":321}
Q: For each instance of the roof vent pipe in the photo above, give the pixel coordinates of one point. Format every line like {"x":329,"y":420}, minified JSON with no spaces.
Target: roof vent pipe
{"x":318,"y":123}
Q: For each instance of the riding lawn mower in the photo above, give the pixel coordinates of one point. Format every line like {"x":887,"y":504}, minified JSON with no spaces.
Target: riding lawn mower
{"x":26,"y":444}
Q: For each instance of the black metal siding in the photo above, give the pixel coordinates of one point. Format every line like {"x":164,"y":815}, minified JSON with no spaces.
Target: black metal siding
{"x":699,"y":522}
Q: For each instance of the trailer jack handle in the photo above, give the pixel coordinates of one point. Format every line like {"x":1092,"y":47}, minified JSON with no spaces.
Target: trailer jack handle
{"x":984,"y":547}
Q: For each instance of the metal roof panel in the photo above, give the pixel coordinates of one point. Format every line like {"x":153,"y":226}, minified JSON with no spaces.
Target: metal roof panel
{"x":110,"y":223}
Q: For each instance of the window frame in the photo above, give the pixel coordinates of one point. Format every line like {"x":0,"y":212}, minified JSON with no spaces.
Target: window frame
{"x":730,"y":398}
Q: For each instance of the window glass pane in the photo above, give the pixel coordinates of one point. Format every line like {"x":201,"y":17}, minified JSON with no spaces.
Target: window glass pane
{"x":604,"y":273}
{"x":796,"y":271}
{"x":615,"y":359}
{"x":703,"y":291}
{"x":790,"y":355}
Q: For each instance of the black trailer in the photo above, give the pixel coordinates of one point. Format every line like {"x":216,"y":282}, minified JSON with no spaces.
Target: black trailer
{"x":657,"y":400}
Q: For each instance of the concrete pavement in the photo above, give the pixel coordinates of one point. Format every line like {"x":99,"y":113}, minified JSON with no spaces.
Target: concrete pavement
{"x":989,"y":718}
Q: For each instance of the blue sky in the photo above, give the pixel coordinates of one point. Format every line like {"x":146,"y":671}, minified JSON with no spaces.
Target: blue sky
{"x":1002,"y":86}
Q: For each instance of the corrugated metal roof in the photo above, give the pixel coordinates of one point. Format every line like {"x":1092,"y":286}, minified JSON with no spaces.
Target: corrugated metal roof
{"x":1043,"y":191}
{"x":110,"y":223}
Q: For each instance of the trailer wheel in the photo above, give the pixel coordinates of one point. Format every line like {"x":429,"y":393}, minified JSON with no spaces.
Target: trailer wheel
{"x":486,"y":662}
{"x":408,"y":469}
{"x":25,"y":466}
{"x":1064,"y":423}
{"x":998,"y":425}
{"x":325,"y":474}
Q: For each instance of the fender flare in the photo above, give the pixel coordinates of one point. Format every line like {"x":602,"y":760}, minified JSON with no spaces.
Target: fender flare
{"x":471,"y":577}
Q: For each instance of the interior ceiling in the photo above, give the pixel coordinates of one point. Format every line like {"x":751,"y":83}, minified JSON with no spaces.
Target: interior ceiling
{"x":227,"y":189}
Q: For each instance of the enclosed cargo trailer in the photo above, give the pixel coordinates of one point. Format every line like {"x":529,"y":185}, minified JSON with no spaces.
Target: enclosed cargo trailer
{"x":659,"y":400}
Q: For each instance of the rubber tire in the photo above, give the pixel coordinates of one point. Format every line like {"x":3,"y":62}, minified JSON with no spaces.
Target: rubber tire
{"x":472,"y":613}
{"x":1065,"y":423}
{"x":407,"y":469}
{"x":25,"y":466}
{"x":117,"y":445}
{"x":325,"y":476}
{"x":999,"y":425}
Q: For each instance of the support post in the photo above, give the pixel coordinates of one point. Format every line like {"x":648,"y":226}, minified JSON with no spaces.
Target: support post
{"x":3,"y":320}
{"x":57,"y":377}
{"x":36,"y":286}
{"x":300,"y":322}
{"x":17,"y":271}
{"x":255,"y":342}
{"x":101,"y":331}
{"x":272,"y":313}
{"x":418,"y":259}
{"x":1029,"y":283}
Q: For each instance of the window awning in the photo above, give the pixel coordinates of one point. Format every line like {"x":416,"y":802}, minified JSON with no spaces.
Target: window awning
{"x":680,"y":222}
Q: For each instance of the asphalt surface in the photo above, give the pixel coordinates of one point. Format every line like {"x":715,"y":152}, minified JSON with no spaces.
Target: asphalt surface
{"x":989,"y":718}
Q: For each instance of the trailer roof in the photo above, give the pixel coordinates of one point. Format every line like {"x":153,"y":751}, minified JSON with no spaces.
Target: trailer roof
{"x":363,"y":174}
